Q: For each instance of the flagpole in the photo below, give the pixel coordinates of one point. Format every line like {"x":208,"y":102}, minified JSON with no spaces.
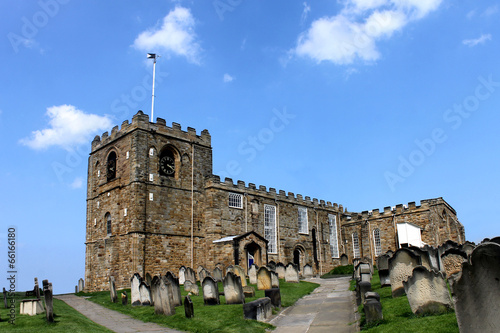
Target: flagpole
{"x":153,"y":94}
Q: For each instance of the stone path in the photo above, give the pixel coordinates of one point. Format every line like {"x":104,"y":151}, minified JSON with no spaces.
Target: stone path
{"x":110,"y":319}
{"x":329,"y":308}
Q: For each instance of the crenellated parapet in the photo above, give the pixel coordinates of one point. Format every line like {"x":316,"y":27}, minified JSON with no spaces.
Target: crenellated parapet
{"x":141,"y":121}
{"x":228,"y":185}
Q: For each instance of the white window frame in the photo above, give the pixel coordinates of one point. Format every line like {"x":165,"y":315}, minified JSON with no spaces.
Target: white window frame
{"x":236,"y":200}
{"x":377,"y":245}
{"x":303,"y":221}
{"x":355,"y":245}
{"x":334,"y":241}
{"x":270,"y":227}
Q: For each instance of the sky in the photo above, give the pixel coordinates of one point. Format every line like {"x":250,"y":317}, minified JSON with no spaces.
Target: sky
{"x":365,"y":103}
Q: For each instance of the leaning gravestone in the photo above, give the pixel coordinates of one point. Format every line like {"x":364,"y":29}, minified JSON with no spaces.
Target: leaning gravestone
{"x":182,"y":276}
{"x":238,"y":270}
{"x":260,"y":309}
{"x":217,"y":274}
{"x":401,"y":266}
{"x":145,"y":294}
{"x":308,"y":271}
{"x":364,"y":271}
{"x":148,"y":279}
{"x":372,"y":308}
{"x":275,"y":282}
{"x":47,"y":294}
{"x":468,"y":247}
{"x":427,"y":292}
{"x":344,"y":260}
{"x":112,"y":289}
{"x":190,"y":275}
{"x":210,"y":291}
{"x":252,"y":274}
{"x":383,"y":270}
{"x":452,"y":260}
{"x":191,"y":287}
{"x":5,"y":298}
{"x":81,"y":284}
{"x":176,"y":288}
{"x":264,"y":279}
{"x":291,"y":273}
{"x":233,"y":291}
{"x":37,"y":288}
{"x":280,"y":269}
{"x":198,"y":271}
{"x":477,"y":290}
{"x":424,"y":256}
{"x":188,"y":307}
{"x":135,"y":295}
{"x":433,"y":255}
{"x":362,"y":287}
{"x":274,"y":295}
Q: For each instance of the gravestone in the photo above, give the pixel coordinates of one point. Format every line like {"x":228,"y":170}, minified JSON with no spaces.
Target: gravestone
{"x":135,"y":295}
{"x":260,"y":309}
{"x":280,"y":269}
{"x":271,"y":265}
{"x":452,"y":260}
{"x":383,"y":270}
{"x":148,"y":279}
{"x":427,"y":292}
{"x":364,"y":271}
{"x":291,"y":273}
{"x":275,"y":282}
{"x":372,"y":294}
{"x":81,"y":284}
{"x":30,"y":307}
{"x":477,"y":290}
{"x":182,"y":276}
{"x":248,"y":291}
{"x":264,"y":280}
{"x":176,"y":288}
{"x":191,"y":287}
{"x":112,"y":289}
{"x":124,"y":298}
{"x":47,"y":294}
{"x":217,"y":274}
{"x":210,"y":291}
{"x":190,"y":275}
{"x":233,"y":291}
{"x":238,"y":270}
{"x":401,"y":266}
{"x":344,"y":260}
{"x":188,"y":307}
{"x":252,"y":274}
{"x":203,"y":273}
{"x":37,"y":288}
{"x":468,"y":247}
{"x":362,"y":287}
{"x":153,"y":285}
{"x":163,"y":300}
{"x":308,"y":271}
{"x":5,"y":299}
{"x":275,"y":296}
{"x":433,"y":255}
{"x":198,"y":271}
{"x":145,"y":294}
{"x":373,"y":310}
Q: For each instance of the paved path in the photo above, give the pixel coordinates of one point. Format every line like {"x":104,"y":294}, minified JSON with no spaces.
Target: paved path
{"x":329,"y":308}
{"x":110,"y":319}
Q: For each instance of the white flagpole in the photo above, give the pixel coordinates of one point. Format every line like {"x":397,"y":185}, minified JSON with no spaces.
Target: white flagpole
{"x":153,"y":94}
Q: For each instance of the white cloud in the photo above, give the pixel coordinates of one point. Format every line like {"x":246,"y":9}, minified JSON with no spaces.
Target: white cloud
{"x":176,"y":35}
{"x":492,"y":10}
{"x":227,"y":78}
{"x":77,"y":183}
{"x":305,"y":12}
{"x":68,"y":128}
{"x":355,"y":31}
{"x":480,"y":40}
{"x":471,"y":14}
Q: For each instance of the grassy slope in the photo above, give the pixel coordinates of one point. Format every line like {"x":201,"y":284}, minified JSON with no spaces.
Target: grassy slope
{"x":66,"y":319}
{"x":221,"y":318}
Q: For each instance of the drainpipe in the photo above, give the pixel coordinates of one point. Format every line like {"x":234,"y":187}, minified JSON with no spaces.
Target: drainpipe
{"x":278,"y":228}
{"x":246,"y":211}
{"x":192,"y":205}
{"x":319,"y":243}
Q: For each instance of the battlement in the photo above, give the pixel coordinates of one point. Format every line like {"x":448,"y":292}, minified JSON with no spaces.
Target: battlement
{"x":141,"y":121}
{"x":214,"y":181}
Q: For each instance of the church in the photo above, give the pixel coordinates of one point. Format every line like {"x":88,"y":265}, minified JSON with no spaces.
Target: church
{"x":153,"y":205}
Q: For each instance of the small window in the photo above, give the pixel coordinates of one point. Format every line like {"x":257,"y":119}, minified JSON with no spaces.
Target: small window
{"x":355,"y":245}
{"x":107,"y":217}
{"x":303,"y":227}
{"x":111,"y":166}
{"x":376,"y":242}
{"x":235,"y":200}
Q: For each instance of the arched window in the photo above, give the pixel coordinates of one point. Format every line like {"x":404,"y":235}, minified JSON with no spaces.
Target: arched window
{"x":107,"y":217}
{"x":167,"y":163}
{"x":111,"y":166}
{"x":376,"y":242}
{"x":355,"y":245}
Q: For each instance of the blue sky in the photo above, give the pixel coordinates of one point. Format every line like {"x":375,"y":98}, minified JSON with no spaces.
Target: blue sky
{"x":367,"y":103}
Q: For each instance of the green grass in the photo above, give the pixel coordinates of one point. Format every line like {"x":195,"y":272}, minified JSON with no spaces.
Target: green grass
{"x":66,"y":319}
{"x":215,"y":318}
{"x":398,"y":316}
{"x":339,"y":270}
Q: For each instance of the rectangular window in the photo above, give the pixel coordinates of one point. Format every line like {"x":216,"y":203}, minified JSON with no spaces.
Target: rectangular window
{"x":235,"y":200}
{"x":376,"y":242}
{"x":270,"y":227}
{"x":355,"y":245}
{"x":334,"y":242}
{"x":303,"y":227}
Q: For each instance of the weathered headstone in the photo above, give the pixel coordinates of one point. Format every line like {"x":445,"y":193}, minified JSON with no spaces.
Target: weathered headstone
{"x":37,"y":288}
{"x":210,"y":291}
{"x":275,"y":282}
{"x":249,"y":291}
{"x":163,"y":300}
{"x":5,"y":298}
{"x":238,"y":270}
{"x":291,"y":273}
{"x":344,"y":260}
{"x":233,"y":291}
{"x":362,"y":287}
{"x":252,"y":274}
{"x":112,"y":289}
{"x":433,"y":255}
{"x":182,"y":276}
{"x":47,"y":294}
{"x":198,"y":271}
{"x":427,"y":292}
{"x":217,"y":274}
{"x":188,"y":307}
{"x":373,"y":310}
{"x":468,"y":247}
{"x":271,"y":265}
{"x":176,"y":288}
{"x":401,"y":266}
{"x":148,"y":279}
{"x":275,"y":296}
{"x":477,"y":291}
{"x":260,"y":309}
{"x":383,"y":270}
{"x":203,"y":273}
{"x":30,"y":307}
{"x":190,"y":275}
{"x":135,"y":295}
{"x":191,"y":287}
{"x":264,"y":279}
{"x":81,"y":284}
{"x":280,"y":269}
{"x":452,"y":260}
{"x":124,"y":298}
{"x":145,"y":294}
{"x":364,"y":271}
{"x":308,"y":271}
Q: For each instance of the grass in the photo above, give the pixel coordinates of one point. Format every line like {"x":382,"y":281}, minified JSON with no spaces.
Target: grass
{"x":398,"y":316}
{"x":339,"y":270}
{"x":66,"y":319}
{"x":219,"y":318}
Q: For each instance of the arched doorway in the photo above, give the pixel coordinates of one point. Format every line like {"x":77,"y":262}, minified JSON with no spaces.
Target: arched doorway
{"x":315,"y":250}
{"x":296,"y":258}
{"x":253,"y":254}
